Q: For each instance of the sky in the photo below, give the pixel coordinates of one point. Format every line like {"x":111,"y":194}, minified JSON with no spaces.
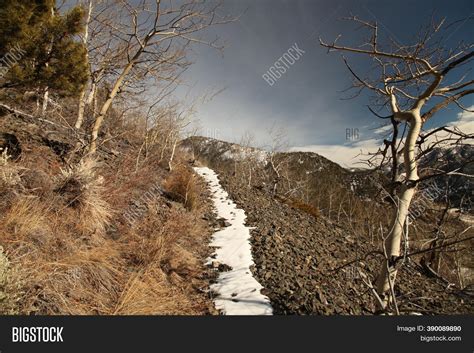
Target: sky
{"x":306,"y":102}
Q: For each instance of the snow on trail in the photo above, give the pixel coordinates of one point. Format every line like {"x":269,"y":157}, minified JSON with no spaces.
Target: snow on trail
{"x":238,"y":292}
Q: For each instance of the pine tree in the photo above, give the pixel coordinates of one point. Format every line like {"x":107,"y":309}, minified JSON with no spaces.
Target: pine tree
{"x":39,"y":47}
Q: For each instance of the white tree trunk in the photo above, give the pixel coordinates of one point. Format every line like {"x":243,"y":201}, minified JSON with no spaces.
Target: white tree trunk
{"x":163,"y":149}
{"x":80,"y":111}
{"x":46,"y":90}
{"x":250,"y":175}
{"x":82,"y":102}
{"x":116,"y":87}
{"x":44,"y":107}
{"x":173,"y":150}
{"x":393,"y":241}
{"x":106,"y":106}
{"x":91,"y":96}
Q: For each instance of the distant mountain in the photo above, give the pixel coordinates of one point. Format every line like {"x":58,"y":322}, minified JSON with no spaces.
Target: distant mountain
{"x":305,"y":176}
{"x":319,"y":172}
{"x":459,"y":159}
{"x":218,"y":151}
{"x":323,"y":176}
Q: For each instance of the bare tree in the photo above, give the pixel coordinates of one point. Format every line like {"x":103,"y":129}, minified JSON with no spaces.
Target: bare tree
{"x":250,"y":160}
{"x":150,"y":42}
{"x":405,"y":78}
{"x":276,"y":160}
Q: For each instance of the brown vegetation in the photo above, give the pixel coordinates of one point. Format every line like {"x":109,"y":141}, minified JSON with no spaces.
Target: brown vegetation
{"x":68,"y":250}
{"x":181,"y":184}
{"x":302,"y":206}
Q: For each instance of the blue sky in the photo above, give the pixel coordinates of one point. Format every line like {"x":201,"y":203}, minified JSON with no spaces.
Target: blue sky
{"x":306,"y":100}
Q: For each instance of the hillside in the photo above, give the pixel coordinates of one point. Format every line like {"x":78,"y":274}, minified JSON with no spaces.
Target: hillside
{"x":238,"y":174}
{"x":300,"y":249}
{"x":104,"y":236}
{"x":110,"y":236}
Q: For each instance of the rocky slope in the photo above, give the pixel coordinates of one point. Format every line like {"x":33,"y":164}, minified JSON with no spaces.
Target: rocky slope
{"x":296,"y":255}
{"x":300,"y":255}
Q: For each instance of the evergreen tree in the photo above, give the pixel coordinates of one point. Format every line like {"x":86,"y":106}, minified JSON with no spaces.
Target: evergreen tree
{"x":39,"y":47}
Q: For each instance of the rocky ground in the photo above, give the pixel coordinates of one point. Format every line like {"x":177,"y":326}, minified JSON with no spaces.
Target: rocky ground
{"x":296,"y":255}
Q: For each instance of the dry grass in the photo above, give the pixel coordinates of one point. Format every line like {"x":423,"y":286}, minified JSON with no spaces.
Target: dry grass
{"x":82,"y":189}
{"x":26,"y":218}
{"x":82,"y":281}
{"x":60,"y":258}
{"x":10,"y":173}
{"x":168,"y":263}
{"x":10,"y":286}
{"x":181,"y":184}
{"x":154,"y":292}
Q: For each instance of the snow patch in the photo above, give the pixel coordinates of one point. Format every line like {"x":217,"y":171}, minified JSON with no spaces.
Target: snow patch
{"x":238,"y":292}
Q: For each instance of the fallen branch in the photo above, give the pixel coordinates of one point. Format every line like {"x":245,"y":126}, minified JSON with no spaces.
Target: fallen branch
{"x":16,"y":111}
{"x":26,"y":115}
{"x":398,"y":258}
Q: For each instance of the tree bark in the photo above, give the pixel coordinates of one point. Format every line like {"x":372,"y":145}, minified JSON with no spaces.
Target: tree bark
{"x":106,"y":106}
{"x":170,"y":162}
{"x":82,"y":102}
{"x":393,"y":242}
{"x":91,"y":96}
{"x":44,"y":106}
{"x":80,"y":111}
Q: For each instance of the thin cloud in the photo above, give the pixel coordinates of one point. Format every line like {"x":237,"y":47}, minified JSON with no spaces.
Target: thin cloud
{"x":347,"y":156}
{"x":353,"y":155}
{"x":465,"y":121}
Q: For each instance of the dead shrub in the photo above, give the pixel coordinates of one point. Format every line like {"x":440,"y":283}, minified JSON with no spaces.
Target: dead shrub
{"x":303,"y":206}
{"x":83,"y":190}
{"x":181,"y":186}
